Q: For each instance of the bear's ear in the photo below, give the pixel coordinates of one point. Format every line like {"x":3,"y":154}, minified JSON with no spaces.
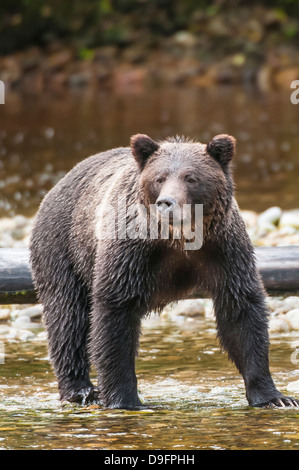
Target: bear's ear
{"x":222,"y":148}
{"x":142,"y":148}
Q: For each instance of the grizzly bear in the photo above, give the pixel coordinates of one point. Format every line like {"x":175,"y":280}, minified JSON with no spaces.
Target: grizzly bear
{"x":96,"y":289}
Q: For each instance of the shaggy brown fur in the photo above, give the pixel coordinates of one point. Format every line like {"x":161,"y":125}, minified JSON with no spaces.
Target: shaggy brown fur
{"x":96,"y":290}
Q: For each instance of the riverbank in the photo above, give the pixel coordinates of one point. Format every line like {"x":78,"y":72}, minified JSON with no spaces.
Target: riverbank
{"x":177,"y":61}
{"x":273,"y":227}
{"x":125,"y":49}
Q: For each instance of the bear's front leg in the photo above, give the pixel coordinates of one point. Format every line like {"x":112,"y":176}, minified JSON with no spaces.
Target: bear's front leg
{"x":114,"y":342}
{"x":243,"y":329}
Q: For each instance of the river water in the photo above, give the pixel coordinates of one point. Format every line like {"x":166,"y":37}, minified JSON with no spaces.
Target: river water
{"x":195,"y":398}
{"x":43,"y":137}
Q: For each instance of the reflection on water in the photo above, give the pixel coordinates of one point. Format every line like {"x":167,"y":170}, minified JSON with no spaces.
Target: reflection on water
{"x":42,"y":138}
{"x":199,"y":399}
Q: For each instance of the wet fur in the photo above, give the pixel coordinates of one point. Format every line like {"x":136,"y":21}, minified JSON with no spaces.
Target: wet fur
{"x":95,"y":292}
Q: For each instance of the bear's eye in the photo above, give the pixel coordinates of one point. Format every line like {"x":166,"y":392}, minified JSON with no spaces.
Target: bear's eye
{"x":160,"y":180}
{"x":190,"y":179}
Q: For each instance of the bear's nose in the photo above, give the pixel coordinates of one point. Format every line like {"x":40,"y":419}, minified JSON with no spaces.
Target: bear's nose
{"x":165,"y":204}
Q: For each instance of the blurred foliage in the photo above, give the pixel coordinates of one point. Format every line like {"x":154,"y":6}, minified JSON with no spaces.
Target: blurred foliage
{"x":92,"y":23}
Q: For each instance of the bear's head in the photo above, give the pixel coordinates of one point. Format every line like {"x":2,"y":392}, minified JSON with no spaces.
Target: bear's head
{"x":178,"y":171}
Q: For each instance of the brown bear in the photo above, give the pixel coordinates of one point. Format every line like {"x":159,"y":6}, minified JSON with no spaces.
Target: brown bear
{"x":96,"y":289}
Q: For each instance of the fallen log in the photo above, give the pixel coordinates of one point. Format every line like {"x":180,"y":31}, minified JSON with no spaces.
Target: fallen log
{"x":278,"y":266}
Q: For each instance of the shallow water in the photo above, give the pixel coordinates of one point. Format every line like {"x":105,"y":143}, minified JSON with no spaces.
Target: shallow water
{"x":199,"y":398}
{"x":42,"y":137}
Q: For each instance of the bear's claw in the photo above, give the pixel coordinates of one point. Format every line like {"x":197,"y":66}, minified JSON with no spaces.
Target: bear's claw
{"x":85,"y":396}
{"x":280,"y":402}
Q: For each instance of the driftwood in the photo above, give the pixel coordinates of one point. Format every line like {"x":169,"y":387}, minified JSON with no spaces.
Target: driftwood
{"x":278,"y":266}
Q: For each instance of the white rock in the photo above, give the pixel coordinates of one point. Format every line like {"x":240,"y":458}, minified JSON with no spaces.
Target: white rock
{"x":6,"y":224}
{"x":15,"y":313}
{"x":269,"y":217}
{"x":275,"y":304}
{"x":209,"y":309}
{"x":26,"y":335}
{"x":252,"y":233}
{"x":291,"y":302}
{"x":20,"y":221}
{"x":21,"y":321}
{"x":26,"y":241}
{"x":42,"y":336}
{"x":4,"y":330}
{"x":277,"y":324}
{"x":184,"y":38}
{"x":289,"y":240}
{"x":4,"y":314}
{"x":265,"y":229}
{"x":10,"y":332}
{"x":292,"y":317}
{"x":190,"y":307}
{"x":6,"y":240}
{"x":33,"y":311}
{"x":290,"y":218}
{"x":286,"y":230}
{"x":293,"y":386}
{"x":250,"y":218}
